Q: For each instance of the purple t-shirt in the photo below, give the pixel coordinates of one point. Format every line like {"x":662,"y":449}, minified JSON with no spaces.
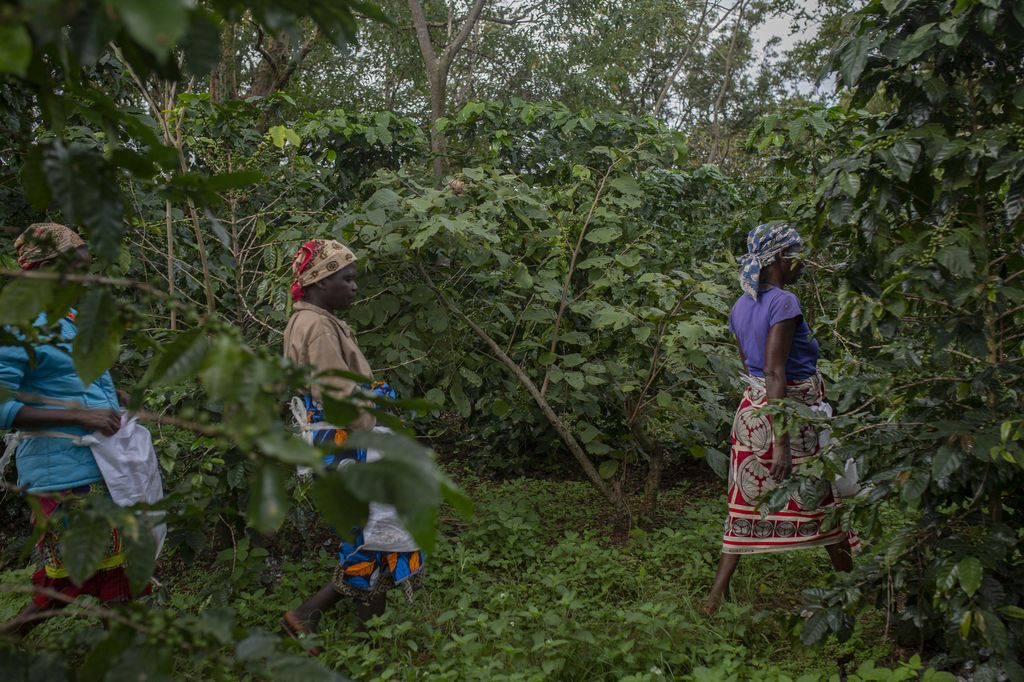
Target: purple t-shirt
{"x":750,"y":321}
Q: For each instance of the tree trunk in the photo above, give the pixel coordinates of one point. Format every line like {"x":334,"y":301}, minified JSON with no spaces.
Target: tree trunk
{"x":438,"y":67}
{"x":655,"y":452}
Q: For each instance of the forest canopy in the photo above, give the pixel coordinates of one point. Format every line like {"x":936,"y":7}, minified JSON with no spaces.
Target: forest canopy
{"x":548,"y":201}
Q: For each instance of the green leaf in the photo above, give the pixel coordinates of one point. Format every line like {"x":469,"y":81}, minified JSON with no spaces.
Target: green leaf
{"x":603,"y":235}
{"x":1015,"y":612}
{"x":850,"y":184}
{"x":956,"y":259}
{"x":625,"y":184}
{"x":224,"y":364}
{"x":98,"y":342}
{"x":852,"y":60}
{"x":15,"y":49}
{"x":23,"y":299}
{"x":718,"y":462}
{"x":180,"y":359}
{"x":288,"y":448}
{"x":946,"y":460}
{"x":915,"y":487}
{"x":340,"y":412}
{"x":201,"y":45}
{"x":995,"y":632}
{"x":140,"y":557}
{"x":969,"y":571}
{"x":608,"y":468}
{"x":156,"y":25}
{"x":283,"y":134}
{"x":337,"y":504}
{"x":268,"y":501}
{"x":499,"y":408}
{"x":84,"y":544}
{"x":814,"y":630}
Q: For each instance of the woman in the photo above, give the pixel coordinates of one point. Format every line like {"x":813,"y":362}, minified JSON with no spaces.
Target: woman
{"x":51,"y":467}
{"x":325,"y":283}
{"x":781,"y":359}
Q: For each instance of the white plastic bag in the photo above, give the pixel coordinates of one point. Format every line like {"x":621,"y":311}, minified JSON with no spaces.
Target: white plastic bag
{"x":129,"y":467}
{"x":383,"y":531}
{"x":847,"y":484}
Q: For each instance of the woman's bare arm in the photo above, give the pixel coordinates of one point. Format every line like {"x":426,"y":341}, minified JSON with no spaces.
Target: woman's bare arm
{"x":776,"y":353}
{"x":106,"y":422}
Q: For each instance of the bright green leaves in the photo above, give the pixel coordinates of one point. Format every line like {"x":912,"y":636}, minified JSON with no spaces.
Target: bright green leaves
{"x":157,"y":25}
{"x":15,"y":49}
{"x":281,"y":135}
{"x":969,"y":573}
{"x":98,"y":342}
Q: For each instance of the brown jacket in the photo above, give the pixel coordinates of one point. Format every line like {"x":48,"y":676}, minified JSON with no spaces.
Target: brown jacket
{"x":317,"y":339}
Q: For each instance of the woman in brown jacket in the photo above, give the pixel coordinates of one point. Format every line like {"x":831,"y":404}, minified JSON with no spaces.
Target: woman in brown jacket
{"x":325,"y":283}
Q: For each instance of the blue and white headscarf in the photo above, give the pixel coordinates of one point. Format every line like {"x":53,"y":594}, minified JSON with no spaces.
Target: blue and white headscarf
{"x":765,"y":243}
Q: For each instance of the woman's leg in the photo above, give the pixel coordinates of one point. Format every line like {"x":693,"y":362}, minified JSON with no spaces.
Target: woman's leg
{"x":310,"y":611}
{"x":841,"y":556}
{"x":371,"y":609}
{"x":726,"y":566}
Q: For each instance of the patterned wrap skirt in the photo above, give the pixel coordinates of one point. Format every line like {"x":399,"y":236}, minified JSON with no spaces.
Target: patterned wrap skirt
{"x":364,"y":574}
{"x":108,"y":584}
{"x":800,"y":523}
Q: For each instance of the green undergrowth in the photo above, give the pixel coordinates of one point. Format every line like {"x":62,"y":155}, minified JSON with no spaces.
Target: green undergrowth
{"x":536,"y":587}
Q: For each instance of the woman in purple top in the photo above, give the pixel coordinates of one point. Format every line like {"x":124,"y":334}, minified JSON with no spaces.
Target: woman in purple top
{"x":781,"y":359}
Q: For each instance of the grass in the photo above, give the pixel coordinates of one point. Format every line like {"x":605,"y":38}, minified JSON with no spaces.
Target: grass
{"x":536,"y":587}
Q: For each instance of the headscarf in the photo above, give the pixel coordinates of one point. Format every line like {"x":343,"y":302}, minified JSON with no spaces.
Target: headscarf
{"x":317,"y":259}
{"x":43,"y":241}
{"x":765,"y":243}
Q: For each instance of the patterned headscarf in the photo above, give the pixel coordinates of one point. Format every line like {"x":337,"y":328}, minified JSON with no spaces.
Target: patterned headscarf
{"x":316,"y":260}
{"x":43,"y":241}
{"x":765,"y":243}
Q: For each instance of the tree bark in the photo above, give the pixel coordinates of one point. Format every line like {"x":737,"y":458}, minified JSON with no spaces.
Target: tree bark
{"x":438,"y":66}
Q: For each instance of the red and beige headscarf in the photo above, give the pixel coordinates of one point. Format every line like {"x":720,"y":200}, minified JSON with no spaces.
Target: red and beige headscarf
{"x":316,"y":260}
{"x":44,"y":241}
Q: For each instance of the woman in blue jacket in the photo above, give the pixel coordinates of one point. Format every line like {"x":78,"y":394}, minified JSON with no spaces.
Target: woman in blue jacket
{"x":50,"y":409}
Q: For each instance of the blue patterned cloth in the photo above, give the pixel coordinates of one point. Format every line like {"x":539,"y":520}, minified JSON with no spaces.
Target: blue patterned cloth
{"x":765,"y":243}
{"x":337,"y":437}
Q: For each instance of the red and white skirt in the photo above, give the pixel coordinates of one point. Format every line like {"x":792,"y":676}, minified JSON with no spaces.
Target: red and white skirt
{"x":749,"y":530}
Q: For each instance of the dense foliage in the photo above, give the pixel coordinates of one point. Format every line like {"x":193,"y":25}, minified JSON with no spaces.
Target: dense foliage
{"x":557,"y":297}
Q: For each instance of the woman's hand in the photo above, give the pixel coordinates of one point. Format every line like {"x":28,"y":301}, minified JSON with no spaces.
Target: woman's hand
{"x":782,"y":460}
{"x":107,"y":422}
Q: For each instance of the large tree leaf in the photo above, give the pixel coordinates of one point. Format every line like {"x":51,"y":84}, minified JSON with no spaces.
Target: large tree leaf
{"x":337,"y":504}
{"x":268,"y":501}
{"x":23,"y":299}
{"x":15,"y":49}
{"x":969,"y":571}
{"x":183,"y":357}
{"x":155,"y":24}
{"x":98,"y":342}
{"x":84,"y":543}
{"x":140,"y":556}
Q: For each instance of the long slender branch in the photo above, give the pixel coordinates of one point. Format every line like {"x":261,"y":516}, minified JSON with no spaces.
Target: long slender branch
{"x":557,"y":422}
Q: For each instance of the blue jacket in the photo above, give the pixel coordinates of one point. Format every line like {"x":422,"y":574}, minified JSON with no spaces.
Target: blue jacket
{"x":47,"y":464}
